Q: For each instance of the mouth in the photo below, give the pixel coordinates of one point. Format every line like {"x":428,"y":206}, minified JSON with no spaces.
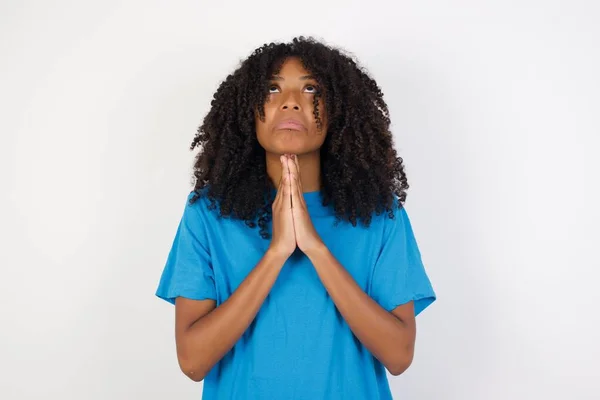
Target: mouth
{"x":292,"y":124}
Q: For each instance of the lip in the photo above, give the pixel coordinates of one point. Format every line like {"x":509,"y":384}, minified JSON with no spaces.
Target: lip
{"x":292,"y":124}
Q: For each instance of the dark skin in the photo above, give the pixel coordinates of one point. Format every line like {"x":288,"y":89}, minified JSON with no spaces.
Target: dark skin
{"x":205,"y":333}
{"x":291,"y":96}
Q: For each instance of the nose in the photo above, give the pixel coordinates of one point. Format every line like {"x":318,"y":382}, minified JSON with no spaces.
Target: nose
{"x":290,"y":102}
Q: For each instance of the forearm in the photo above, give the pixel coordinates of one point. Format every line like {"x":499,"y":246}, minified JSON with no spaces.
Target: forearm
{"x":387,"y":337}
{"x":208,"y":339}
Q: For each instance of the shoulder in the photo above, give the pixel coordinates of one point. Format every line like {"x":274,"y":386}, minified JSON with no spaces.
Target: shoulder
{"x":197,"y":204}
{"x":395,"y":211}
{"x":396,"y":218}
{"x":198,"y":199}
{"x":203,"y":208}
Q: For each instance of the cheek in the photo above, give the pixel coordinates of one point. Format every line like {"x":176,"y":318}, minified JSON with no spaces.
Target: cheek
{"x":268,"y":108}
{"x":263,"y":129}
{"x":270,"y":111}
{"x":309,"y":109}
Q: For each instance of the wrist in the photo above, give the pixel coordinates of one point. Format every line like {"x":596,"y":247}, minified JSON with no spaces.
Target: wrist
{"x":316,"y":251}
{"x":277,"y":255}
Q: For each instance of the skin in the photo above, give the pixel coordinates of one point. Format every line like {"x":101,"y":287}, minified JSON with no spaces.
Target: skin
{"x":205,"y":333}
{"x":291,"y":96}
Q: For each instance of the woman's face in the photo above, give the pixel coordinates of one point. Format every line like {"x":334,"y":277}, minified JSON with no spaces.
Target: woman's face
{"x":290,"y":125}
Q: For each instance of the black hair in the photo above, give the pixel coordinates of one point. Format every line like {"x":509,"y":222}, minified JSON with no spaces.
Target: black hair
{"x":360,"y":169}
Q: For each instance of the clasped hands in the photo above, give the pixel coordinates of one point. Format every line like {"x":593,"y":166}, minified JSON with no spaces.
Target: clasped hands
{"x":292,"y":226}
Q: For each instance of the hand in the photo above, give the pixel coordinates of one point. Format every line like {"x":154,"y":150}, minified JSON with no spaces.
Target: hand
{"x":307,"y":237}
{"x":284,"y":240}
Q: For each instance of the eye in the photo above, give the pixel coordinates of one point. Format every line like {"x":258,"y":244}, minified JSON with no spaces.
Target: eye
{"x":273,"y":88}
{"x":312,"y":89}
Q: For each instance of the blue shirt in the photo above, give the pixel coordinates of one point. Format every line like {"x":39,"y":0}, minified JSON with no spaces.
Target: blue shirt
{"x":298,"y":346}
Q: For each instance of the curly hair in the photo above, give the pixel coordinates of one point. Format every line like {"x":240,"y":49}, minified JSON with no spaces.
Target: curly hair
{"x":360,"y":169}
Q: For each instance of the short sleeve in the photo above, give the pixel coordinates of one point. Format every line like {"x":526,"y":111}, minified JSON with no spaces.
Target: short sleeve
{"x":188,"y":271}
{"x":399,"y":275}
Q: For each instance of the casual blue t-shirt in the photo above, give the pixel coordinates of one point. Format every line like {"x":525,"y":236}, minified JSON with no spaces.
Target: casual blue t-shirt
{"x":298,"y":346}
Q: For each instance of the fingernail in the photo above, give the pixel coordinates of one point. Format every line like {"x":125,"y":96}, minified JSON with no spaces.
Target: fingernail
{"x":294,"y":157}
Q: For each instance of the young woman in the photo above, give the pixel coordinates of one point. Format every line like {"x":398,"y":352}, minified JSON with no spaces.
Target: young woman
{"x":294,"y":271}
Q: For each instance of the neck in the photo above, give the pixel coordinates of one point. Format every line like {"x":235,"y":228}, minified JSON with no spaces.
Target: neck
{"x":310,"y":170}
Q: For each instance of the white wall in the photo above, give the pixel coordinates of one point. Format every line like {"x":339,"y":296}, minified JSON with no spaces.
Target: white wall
{"x":495,"y":108}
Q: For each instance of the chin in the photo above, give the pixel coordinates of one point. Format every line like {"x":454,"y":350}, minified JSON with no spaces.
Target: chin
{"x":298,"y":150}
{"x":290,"y":146}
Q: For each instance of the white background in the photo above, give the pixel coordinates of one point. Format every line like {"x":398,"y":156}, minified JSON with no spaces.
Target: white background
{"x":496,"y":112}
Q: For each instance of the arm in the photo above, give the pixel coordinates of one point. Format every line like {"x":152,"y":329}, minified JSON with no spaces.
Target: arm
{"x":389,"y":336}
{"x":204,"y":334}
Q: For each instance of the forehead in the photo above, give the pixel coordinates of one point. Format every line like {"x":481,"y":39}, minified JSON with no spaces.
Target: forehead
{"x":292,"y":68}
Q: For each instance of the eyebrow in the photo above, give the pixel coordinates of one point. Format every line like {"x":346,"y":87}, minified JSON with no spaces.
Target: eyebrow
{"x":302,"y":78}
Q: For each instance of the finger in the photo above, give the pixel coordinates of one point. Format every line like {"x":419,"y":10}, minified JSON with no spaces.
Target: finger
{"x":297,"y":165}
{"x":286,"y":195}
{"x":300,"y":189}
{"x":298,"y":183}
{"x":286,"y":186}
{"x":280,"y":183}
{"x":296,"y":202}
{"x":292,"y":166}
{"x":278,"y":195}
